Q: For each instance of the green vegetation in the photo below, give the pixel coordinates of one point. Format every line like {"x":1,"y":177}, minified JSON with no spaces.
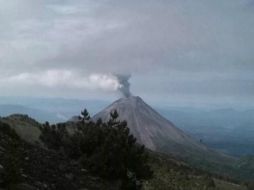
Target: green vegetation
{"x":176,"y":175}
{"x":10,"y":159}
{"x":104,"y":149}
{"x":96,"y":155}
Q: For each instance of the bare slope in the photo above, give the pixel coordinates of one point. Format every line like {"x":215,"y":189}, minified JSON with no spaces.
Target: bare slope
{"x":158,"y":133}
{"x":148,"y":126}
{"x":26,"y":127}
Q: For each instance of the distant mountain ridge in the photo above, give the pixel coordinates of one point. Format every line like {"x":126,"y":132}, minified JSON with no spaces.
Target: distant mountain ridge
{"x":40,"y":115}
{"x":61,"y":106}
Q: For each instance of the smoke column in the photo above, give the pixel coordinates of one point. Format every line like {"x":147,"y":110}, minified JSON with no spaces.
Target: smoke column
{"x":124,"y":86}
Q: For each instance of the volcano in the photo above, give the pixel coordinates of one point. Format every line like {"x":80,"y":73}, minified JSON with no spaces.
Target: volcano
{"x":150,"y":128}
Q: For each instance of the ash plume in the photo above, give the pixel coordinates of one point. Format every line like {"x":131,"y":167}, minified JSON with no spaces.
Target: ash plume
{"x":124,"y":85}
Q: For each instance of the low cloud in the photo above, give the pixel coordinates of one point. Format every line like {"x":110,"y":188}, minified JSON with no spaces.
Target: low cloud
{"x":65,"y":78}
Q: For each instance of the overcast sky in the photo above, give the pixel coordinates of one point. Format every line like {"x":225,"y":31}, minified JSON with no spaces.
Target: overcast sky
{"x":177,"y":51}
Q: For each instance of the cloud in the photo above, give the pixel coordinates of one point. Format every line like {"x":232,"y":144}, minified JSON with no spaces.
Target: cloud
{"x":64,"y":78}
{"x":165,"y":45}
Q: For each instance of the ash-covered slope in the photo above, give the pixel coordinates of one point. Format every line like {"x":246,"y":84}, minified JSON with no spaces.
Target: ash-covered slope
{"x":149,"y":127}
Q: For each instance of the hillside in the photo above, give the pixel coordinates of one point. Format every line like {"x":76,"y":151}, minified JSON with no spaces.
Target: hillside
{"x":25,"y":166}
{"x":170,"y":173}
{"x":150,"y":128}
{"x":159,"y":134}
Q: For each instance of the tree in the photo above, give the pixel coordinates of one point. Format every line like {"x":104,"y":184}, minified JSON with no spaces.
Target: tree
{"x":106,"y":149}
{"x":85,"y":116}
{"x":11,"y":167}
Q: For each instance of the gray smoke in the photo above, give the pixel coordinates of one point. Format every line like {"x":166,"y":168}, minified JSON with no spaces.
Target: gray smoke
{"x":124,"y":87}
